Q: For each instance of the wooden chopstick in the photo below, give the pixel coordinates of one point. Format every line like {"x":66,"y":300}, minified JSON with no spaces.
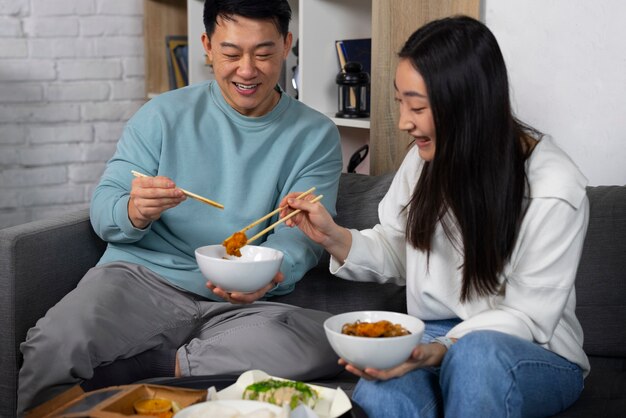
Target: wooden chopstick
{"x":274,"y":212}
{"x":272,"y":226}
{"x":186,"y":192}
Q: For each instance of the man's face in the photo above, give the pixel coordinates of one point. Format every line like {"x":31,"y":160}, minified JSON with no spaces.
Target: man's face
{"x":247,"y":57}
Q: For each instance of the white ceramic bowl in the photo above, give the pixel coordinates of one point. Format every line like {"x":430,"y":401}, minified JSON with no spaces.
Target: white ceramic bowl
{"x":377,"y":353}
{"x":256,"y":267}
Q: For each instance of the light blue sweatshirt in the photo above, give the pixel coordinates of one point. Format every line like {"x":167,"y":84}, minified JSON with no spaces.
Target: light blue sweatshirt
{"x":248,"y":164}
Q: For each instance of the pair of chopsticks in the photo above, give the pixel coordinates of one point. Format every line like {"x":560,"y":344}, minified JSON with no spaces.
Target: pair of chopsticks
{"x":292,"y":214}
{"x":272,"y":213}
{"x":188,"y":193}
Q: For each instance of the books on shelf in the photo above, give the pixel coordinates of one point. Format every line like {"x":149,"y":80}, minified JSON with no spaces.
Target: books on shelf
{"x":177,"y":60}
{"x":359,"y":50}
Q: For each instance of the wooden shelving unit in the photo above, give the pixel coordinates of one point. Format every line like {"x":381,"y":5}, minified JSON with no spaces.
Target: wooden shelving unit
{"x":161,"y":18}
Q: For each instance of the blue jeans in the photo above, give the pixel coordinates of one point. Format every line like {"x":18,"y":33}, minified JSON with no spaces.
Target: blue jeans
{"x":485,"y":374}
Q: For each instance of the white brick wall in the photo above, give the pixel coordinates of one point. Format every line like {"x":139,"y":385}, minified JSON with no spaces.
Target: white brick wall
{"x":71,"y":74}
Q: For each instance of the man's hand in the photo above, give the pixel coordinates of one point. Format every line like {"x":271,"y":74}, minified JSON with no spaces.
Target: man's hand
{"x":424,"y":355}
{"x":150,"y":197}
{"x":245,"y":298}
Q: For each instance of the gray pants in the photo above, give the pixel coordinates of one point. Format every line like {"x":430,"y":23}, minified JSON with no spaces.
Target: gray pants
{"x":120,"y":310}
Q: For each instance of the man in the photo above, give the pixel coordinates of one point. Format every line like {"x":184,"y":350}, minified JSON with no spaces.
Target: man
{"x":240,"y":141}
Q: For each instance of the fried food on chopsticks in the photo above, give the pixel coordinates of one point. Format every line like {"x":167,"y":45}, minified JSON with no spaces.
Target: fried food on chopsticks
{"x":234,"y":243}
{"x":380,"y":329}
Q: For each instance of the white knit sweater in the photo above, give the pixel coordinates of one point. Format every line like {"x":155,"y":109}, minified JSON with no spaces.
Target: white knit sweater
{"x":537,"y":300}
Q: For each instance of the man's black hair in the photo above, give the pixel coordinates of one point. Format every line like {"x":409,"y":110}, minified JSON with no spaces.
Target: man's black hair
{"x":277,"y":11}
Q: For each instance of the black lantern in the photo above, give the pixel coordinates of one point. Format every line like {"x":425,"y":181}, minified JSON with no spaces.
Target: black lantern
{"x":354,"y":88}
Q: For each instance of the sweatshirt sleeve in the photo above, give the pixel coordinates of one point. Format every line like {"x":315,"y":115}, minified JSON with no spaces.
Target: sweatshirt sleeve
{"x":109,"y":203}
{"x":540,"y":277}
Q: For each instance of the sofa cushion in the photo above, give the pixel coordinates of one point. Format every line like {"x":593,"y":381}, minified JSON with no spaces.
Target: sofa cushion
{"x":359,"y":196}
{"x":605,"y":391}
{"x":601,"y":276}
{"x":357,"y":202}
{"x":357,"y":207}
{"x":320,"y":290}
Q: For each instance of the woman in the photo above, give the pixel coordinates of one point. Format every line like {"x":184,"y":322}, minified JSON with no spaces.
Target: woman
{"x":484,"y":222}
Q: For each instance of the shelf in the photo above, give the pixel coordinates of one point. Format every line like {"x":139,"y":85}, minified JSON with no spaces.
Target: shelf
{"x":362,"y":123}
{"x":318,"y":63}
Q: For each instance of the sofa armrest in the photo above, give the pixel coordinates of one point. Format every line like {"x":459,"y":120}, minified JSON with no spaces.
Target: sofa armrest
{"x":601,"y":275}
{"x":40,"y":262}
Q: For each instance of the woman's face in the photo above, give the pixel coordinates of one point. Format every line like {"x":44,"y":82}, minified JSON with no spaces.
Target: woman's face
{"x":416,"y":117}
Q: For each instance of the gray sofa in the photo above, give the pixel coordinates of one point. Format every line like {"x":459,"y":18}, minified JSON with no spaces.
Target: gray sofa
{"x":41,"y":261}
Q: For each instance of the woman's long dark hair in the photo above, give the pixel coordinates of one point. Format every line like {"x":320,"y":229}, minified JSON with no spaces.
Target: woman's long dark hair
{"x":475,"y":183}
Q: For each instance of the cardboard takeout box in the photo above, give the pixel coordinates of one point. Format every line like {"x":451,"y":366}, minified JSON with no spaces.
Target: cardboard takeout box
{"x":112,"y":402}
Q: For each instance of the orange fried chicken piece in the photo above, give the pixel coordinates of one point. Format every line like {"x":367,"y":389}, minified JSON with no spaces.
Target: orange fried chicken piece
{"x":234,"y":243}
{"x":380,"y":329}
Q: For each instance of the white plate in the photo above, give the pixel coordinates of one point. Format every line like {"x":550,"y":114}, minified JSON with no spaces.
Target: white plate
{"x":332,"y":403}
{"x":221,"y":408}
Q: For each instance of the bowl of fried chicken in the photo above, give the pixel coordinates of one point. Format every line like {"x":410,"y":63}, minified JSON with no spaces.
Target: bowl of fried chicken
{"x":374,"y":339}
{"x":254,"y":268}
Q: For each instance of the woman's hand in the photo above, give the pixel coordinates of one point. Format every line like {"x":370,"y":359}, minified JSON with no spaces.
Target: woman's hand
{"x":317,"y":224}
{"x":424,"y":355}
{"x":150,"y":197}
{"x":245,"y":298}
